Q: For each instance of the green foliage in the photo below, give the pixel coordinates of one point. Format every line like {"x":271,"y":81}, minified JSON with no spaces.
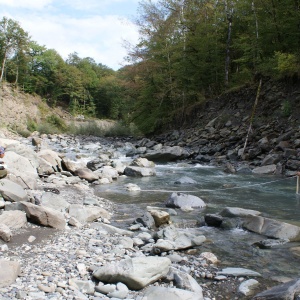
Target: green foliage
{"x":31,"y":124}
{"x":287,"y":64}
{"x":57,"y":122}
{"x":286,"y":108}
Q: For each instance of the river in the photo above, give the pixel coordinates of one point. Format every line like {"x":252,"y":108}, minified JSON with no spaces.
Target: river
{"x":274,"y":196}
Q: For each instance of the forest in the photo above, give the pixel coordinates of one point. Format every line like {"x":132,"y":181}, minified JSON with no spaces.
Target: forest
{"x":189,"y":51}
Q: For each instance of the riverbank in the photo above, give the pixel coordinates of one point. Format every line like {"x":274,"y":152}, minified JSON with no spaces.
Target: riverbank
{"x":58,"y":258}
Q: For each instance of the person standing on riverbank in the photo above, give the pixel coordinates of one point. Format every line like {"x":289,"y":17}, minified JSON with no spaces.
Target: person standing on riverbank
{"x":3,"y":171}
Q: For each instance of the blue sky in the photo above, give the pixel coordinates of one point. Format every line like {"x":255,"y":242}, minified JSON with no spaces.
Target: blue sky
{"x":92,"y":28}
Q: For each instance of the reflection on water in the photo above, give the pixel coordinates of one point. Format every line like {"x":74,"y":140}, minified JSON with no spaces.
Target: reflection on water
{"x":274,"y":196}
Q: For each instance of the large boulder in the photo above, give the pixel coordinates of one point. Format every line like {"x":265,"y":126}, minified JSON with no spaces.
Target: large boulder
{"x":9,"y":271}
{"x":233,"y":212}
{"x":143,"y":163}
{"x":87,"y":174}
{"x":180,"y":200}
{"x":12,"y":192}
{"x":272,"y":228}
{"x":21,"y":170}
{"x":55,"y":201}
{"x":86,"y":214}
{"x":52,"y":158}
{"x":139,"y":171}
{"x":270,"y":169}
{"x":71,"y":165}
{"x":136,"y":272}
{"x":285,"y":291}
{"x":166,"y":154}
{"x":44,"y":216}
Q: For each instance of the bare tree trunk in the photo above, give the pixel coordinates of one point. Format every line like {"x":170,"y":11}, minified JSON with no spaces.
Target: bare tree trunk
{"x":252,"y":115}
{"x":3,"y":67}
{"x":229,"y":13}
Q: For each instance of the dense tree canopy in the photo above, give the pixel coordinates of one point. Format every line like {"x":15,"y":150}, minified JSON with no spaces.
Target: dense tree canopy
{"x":188,"y":52}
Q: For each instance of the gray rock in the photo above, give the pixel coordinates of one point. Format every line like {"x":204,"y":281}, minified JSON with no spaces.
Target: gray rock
{"x":13,"y":219}
{"x":139,"y":171}
{"x":121,"y":291}
{"x":247,"y":287}
{"x":233,"y":212}
{"x":166,"y":154}
{"x":237,"y":272}
{"x":5,"y":233}
{"x":52,"y":158}
{"x":179,"y":200}
{"x":55,"y":201}
{"x":111,"y":229}
{"x":146,"y":220}
{"x":86,"y":214}
{"x":213,"y":220}
{"x":163,"y":293}
{"x":87,"y":174}
{"x":136,"y":273}
{"x":185,"y":281}
{"x":270,"y":169}
{"x":12,"y":192}
{"x":143,"y":163}
{"x":272,"y":228}
{"x":285,"y":291}
{"x":9,"y":271}
{"x":160,"y":217}
{"x":44,"y":216}
{"x":185,"y":180}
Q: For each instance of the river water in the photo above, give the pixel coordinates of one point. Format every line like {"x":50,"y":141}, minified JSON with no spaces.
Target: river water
{"x":274,"y":196}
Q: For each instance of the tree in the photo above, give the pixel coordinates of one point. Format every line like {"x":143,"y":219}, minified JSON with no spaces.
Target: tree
{"x":13,"y":40}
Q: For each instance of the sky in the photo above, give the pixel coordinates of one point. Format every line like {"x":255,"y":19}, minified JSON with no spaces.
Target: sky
{"x":92,"y":28}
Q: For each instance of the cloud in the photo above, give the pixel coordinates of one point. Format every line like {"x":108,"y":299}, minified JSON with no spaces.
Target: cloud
{"x":28,"y":4}
{"x":99,"y":37}
{"x":92,"y":28}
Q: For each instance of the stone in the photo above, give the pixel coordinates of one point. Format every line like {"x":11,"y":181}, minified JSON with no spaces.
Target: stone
{"x":85,"y":214}
{"x":185,"y":180}
{"x":142,"y":162}
{"x":55,"y":201}
{"x":5,"y":233}
{"x":238,"y":272}
{"x":146,"y":220}
{"x":121,"y":291}
{"x":185,"y":281}
{"x":247,"y":287}
{"x":87,"y":174}
{"x":13,"y":219}
{"x":272,"y":228}
{"x":9,"y":271}
{"x":12,"y":192}
{"x":166,"y":154}
{"x":160,"y":217}
{"x":136,"y":272}
{"x":178,"y":200}
{"x":233,"y":212}
{"x":44,"y":216}
{"x":270,"y":169}
{"x":132,"y":171}
{"x":163,"y":293}
{"x":111,"y":229}
{"x":285,"y":291}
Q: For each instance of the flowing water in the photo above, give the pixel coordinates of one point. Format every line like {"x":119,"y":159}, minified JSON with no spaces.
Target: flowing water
{"x":274,"y":196}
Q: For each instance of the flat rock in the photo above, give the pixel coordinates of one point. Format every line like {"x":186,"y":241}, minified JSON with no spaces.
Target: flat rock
{"x":163,"y":293}
{"x":136,"y":273}
{"x":44,"y":216}
{"x":238,"y":272}
{"x":9,"y":271}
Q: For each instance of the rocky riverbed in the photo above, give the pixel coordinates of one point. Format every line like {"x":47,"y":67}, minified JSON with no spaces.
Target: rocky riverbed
{"x":57,"y":241}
